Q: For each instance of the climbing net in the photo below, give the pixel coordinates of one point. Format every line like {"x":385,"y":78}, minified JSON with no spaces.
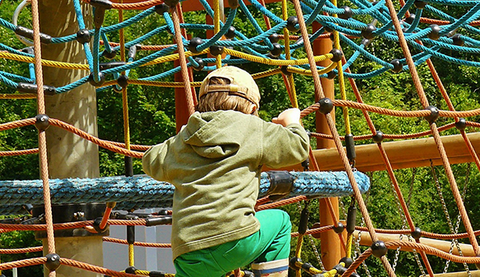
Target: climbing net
{"x":444,"y":30}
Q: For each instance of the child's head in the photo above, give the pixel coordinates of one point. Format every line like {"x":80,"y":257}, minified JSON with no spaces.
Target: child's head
{"x":229,"y":88}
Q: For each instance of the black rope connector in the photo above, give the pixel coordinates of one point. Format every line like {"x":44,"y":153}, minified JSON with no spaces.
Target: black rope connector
{"x":378,"y":137}
{"x":347,"y":13}
{"x":42,"y":122}
{"x":99,"y":14}
{"x":303,"y":224}
{"x":339,"y":228}
{"x":230,"y":34}
{"x":109,"y":54}
{"x":331,"y":75}
{"x":194,"y":42}
{"x":295,"y":263}
{"x":128,"y":161}
{"x":92,"y":81}
{"x":367,"y":32}
{"x":83,"y":36}
{"x":216,"y":50}
{"x":53,"y":261}
{"x":162,"y":8}
{"x":365,"y":42}
{"x":109,"y":65}
{"x":130,"y":234}
{"x":410,"y":19}
{"x":28,"y":33}
{"x":292,"y":23}
{"x":200,"y":62}
{"x":347,"y":261}
{"x":28,"y":50}
{"x":132,"y":52}
{"x":307,"y":267}
{"x":32,"y":88}
{"x":417,"y":233}
{"x":435,"y":32}
{"x":153,"y":221}
{"x":233,"y":4}
{"x":274,"y":38}
{"x":130,"y":270}
{"x":281,"y":184}
{"x":156,"y":274}
{"x":96,"y":225}
{"x":337,"y":55}
{"x":28,"y":208}
{"x":340,"y":269}
{"x":122,"y":80}
{"x":419,"y":4}
{"x":354,"y":274}
{"x":461,"y":124}
{"x":379,"y":249}
{"x":351,"y":219}
{"x":457,"y":40}
{"x":285,"y":71}
{"x":434,"y":113}
{"x":397,"y":65}
{"x":326,"y":105}
{"x":276,"y":50}
{"x":350,"y":145}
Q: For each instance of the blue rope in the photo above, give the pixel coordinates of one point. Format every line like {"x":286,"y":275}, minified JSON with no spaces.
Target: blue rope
{"x":221,"y":32}
{"x":144,"y":192}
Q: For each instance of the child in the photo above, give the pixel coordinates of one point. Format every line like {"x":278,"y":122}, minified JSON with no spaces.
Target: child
{"x":215,"y":162}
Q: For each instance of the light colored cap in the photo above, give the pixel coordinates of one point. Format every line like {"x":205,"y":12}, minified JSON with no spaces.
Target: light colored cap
{"x":241,"y":84}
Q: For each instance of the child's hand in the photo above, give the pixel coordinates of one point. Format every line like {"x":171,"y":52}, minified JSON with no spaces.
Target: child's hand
{"x":287,"y":117}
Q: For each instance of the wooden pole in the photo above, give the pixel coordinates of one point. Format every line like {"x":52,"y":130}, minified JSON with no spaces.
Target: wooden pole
{"x":402,"y":154}
{"x":331,"y":249}
{"x":68,"y":154}
{"x":441,"y":245}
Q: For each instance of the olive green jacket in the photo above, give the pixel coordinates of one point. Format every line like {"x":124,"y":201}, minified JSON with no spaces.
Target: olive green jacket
{"x":215,"y":162}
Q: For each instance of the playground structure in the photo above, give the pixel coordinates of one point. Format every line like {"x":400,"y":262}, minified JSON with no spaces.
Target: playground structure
{"x":329,"y":23}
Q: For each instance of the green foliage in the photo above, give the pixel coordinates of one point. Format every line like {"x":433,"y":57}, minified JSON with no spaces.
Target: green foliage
{"x":20,"y":239}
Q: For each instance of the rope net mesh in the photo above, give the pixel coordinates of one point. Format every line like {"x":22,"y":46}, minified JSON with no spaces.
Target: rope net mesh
{"x":370,"y":42}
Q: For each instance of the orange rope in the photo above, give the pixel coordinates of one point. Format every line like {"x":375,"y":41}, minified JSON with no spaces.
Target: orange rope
{"x":42,"y":141}
{"x":183,"y":63}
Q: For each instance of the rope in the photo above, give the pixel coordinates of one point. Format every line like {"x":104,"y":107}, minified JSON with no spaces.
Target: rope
{"x":41,"y":135}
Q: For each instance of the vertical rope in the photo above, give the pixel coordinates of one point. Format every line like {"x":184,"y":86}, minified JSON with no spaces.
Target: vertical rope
{"x":216,"y":28}
{"x":291,"y":81}
{"x":190,"y":70}
{"x":42,"y":139}
{"x":341,"y":78}
{"x":183,"y":63}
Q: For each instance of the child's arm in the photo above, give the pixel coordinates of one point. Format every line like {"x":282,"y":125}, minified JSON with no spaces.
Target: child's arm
{"x":287,"y":117}
{"x":153,"y":161}
{"x":287,"y":144}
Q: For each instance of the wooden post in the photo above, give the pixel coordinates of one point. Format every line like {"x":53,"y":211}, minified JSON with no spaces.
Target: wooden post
{"x":68,"y":154}
{"x":331,"y":249}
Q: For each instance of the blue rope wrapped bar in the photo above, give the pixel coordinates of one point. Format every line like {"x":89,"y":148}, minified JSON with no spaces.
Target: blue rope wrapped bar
{"x":139,"y":192}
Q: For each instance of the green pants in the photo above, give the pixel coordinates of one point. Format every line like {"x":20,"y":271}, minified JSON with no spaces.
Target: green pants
{"x":271,"y":242}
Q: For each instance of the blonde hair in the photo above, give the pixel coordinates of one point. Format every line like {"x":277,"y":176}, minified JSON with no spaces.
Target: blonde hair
{"x":222,"y":100}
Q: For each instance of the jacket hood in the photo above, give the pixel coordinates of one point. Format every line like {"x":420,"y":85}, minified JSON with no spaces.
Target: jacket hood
{"x":212,"y":134}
